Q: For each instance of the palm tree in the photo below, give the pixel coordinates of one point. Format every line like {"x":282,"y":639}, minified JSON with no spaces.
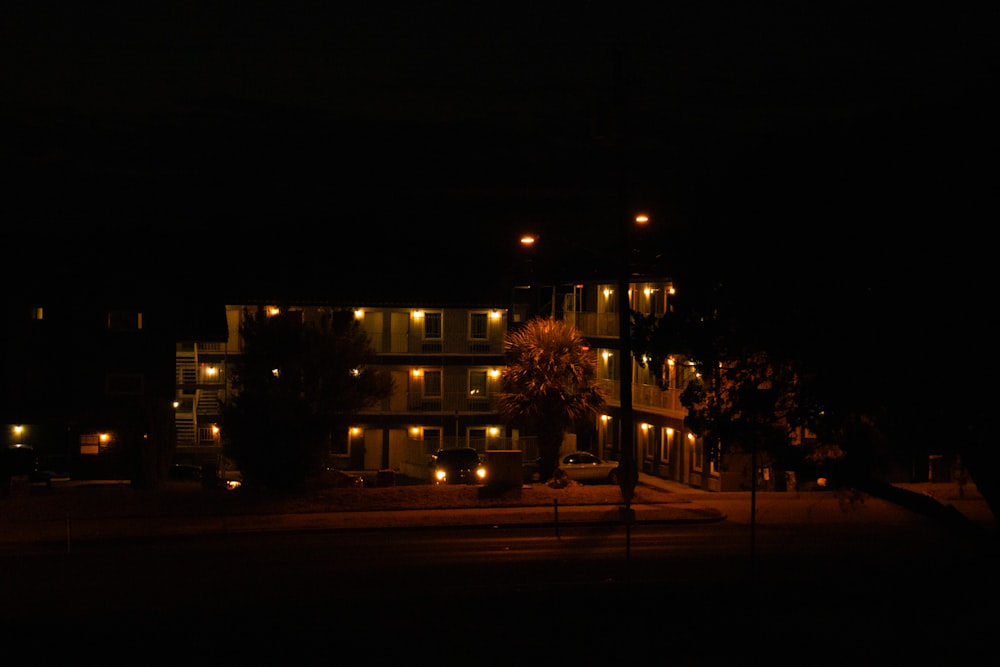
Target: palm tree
{"x":549,"y":384}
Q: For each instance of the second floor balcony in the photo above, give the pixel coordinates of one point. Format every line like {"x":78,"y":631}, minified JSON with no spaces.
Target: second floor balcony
{"x":445,"y":403}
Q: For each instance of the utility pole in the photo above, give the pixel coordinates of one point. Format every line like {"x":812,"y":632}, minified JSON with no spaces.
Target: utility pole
{"x":628,"y":474}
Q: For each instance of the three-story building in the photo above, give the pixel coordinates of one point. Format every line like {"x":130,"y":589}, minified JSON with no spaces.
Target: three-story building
{"x":445,"y":363}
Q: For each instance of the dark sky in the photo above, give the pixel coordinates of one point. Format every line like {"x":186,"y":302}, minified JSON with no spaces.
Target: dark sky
{"x":802,"y":138}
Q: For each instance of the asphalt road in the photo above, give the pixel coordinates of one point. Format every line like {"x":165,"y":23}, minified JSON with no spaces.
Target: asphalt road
{"x":822,"y":578}
{"x":685,"y":593}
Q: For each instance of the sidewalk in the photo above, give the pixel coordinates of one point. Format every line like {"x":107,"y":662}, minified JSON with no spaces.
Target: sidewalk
{"x":81,"y":523}
{"x":672,"y":503}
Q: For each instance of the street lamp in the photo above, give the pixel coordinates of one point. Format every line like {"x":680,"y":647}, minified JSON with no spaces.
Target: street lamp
{"x":529,"y":241}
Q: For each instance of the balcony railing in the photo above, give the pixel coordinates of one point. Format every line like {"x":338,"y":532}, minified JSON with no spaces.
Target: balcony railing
{"x":644,"y":396}
{"x":447,"y":403}
{"x":597,"y":324}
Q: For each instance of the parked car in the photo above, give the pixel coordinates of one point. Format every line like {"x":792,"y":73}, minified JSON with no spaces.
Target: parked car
{"x":18,"y":460}
{"x":587,"y":467}
{"x":342,"y":479}
{"x":184,"y":472}
{"x":461,"y":465}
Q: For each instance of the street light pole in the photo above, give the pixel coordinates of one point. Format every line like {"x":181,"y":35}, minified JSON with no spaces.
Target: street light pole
{"x":528,"y":241}
{"x":628,"y":473}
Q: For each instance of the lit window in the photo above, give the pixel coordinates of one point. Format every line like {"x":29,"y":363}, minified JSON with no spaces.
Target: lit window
{"x":477,"y":383}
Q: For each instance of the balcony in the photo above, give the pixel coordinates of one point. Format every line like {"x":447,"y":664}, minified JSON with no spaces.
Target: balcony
{"x":646,"y":397}
{"x":448,"y":403}
{"x":451,"y":402}
{"x":597,"y":325}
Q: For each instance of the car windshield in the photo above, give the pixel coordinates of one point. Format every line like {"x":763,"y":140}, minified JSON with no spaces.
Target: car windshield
{"x":468,"y":458}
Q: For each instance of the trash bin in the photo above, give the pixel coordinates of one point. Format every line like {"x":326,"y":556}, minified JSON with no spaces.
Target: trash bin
{"x":385,"y":477}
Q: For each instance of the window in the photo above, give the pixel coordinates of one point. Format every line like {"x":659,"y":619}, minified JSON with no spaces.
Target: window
{"x":646,"y":441}
{"x":95,"y":443}
{"x":699,"y":455}
{"x":432,"y":325}
{"x":89,"y":443}
{"x":124,"y":320}
{"x":666,"y":442}
{"x":477,"y":384}
{"x":478,"y":326}
{"x":432,"y":384}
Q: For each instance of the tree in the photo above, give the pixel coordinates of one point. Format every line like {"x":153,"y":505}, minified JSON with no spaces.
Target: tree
{"x":549,"y":384}
{"x":744,"y":398}
{"x":296,"y":385}
{"x":745,"y":404}
{"x":767,"y":369}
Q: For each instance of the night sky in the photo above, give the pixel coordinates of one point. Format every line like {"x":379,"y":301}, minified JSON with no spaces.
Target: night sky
{"x":796,"y":146}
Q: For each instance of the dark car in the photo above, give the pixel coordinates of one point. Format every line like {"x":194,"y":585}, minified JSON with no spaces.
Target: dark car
{"x":462,"y":465}
{"x":341,"y":479}
{"x":17,"y":460}
{"x":185,"y":472}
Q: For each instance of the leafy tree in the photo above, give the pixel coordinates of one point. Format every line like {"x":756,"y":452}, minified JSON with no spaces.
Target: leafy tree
{"x":296,"y":386}
{"x":764,"y":373}
{"x":549,"y":384}
{"x":743,"y":398}
{"x":744,"y":404}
